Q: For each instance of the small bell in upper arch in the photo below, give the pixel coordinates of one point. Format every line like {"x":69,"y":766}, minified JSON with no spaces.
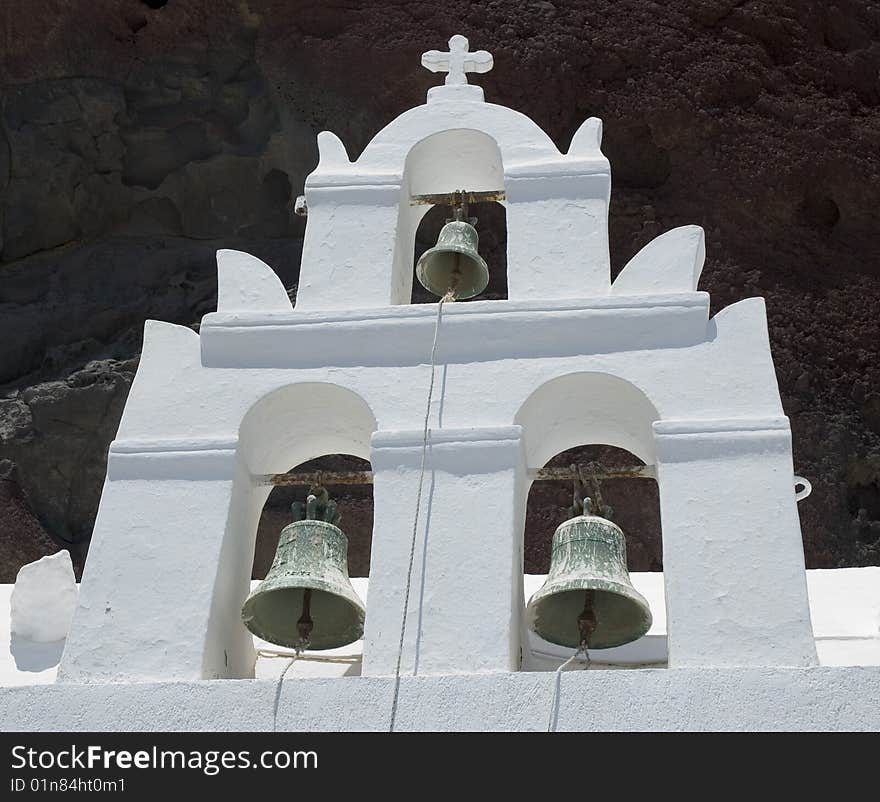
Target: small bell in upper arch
{"x":588,"y":599}
{"x":453,"y":264}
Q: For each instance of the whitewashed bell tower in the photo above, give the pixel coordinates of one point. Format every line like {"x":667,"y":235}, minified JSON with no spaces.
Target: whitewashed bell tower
{"x":568,"y":359}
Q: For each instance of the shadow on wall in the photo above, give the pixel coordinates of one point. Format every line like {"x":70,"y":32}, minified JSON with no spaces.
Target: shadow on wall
{"x":34,"y":657}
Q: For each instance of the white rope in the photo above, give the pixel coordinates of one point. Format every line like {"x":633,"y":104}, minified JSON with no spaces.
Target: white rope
{"x":450,"y":296}
{"x":315,"y":658}
{"x":293,"y":657}
{"x":278,"y":691}
{"x":296,"y":655}
{"x":554,"y":707}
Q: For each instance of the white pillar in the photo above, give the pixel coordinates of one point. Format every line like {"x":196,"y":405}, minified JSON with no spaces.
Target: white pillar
{"x":733,"y":556}
{"x":465,"y":594}
{"x":557,"y":235}
{"x":168,"y":568}
{"x":349,"y":247}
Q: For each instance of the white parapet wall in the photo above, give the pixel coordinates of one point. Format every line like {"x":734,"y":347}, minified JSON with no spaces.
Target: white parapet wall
{"x":739,"y":698}
{"x":844,"y":607}
{"x":317,"y":694}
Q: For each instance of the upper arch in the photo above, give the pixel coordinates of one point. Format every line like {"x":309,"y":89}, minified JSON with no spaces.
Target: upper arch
{"x":519,"y":138}
{"x":585,"y":408}
{"x":298,"y":422}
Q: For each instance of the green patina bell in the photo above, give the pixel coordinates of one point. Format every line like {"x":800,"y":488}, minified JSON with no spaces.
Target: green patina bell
{"x":588,"y":599}
{"x":453,"y":263}
{"x":306,"y":600}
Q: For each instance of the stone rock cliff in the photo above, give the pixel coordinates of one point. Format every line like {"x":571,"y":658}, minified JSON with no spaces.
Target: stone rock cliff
{"x":138,"y":136}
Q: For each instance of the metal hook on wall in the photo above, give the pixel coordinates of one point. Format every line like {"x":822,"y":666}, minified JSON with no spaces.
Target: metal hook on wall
{"x":804,"y":484}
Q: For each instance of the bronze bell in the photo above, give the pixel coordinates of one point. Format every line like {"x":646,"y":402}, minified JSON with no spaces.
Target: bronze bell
{"x":453,"y":263}
{"x":306,"y":600}
{"x":588,"y":599}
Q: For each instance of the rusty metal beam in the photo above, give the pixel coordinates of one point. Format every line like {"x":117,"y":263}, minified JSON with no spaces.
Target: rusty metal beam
{"x":331,"y":478}
{"x":455,"y":198}
{"x":601,"y":472}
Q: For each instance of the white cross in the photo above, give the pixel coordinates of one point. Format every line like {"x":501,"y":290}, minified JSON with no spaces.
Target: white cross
{"x":458,"y":61}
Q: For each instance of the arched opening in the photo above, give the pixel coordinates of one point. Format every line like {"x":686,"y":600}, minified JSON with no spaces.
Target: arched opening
{"x":291,"y":426}
{"x":346,"y":480}
{"x":458,"y":160}
{"x":491,"y":228}
{"x":634,"y":507}
{"x":579,"y":430}
{"x":300,"y":422}
{"x":354,"y":498}
{"x":635,"y":502}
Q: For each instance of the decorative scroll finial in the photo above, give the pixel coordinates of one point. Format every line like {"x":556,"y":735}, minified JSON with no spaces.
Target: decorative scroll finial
{"x":458,"y":61}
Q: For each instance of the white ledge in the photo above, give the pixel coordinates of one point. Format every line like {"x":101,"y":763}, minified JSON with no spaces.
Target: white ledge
{"x":458,"y":451}
{"x":477,"y":330}
{"x":570,"y":167}
{"x":672,"y":428}
{"x":703,"y":699}
{"x":132,"y":445}
{"x":242,"y":319}
{"x":479,"y":434}
{"x":157,"y":459}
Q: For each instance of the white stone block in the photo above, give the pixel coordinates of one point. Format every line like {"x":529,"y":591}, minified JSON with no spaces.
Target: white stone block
{"x":44,"y":599}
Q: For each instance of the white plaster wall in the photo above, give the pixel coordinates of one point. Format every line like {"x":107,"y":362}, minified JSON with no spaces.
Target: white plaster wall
{"x":732,"y":548}
{"x":557,"y":205}
{"x":844,"y":606}
{"x":685,"y":699}
{"x":565,"y":361}
{"x":671,"y":262}
{"x":146,"y":595}
{"x":498,"y":351}
{"x":452,"y":160}
{"x":290,"y":386}
{"x":338,"y":275}
{"x":846,"y":615}
{"x":557,"y":236}
{"x":461,"y":617}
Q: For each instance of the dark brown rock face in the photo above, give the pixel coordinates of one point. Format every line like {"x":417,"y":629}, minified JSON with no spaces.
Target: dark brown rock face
{"x":138,"y":136}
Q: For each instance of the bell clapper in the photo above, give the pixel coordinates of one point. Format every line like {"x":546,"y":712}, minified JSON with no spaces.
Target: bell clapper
{"x":459,"y":214}
{"x":454,"y":279}
{"x":586,"y":625}
{"x":305,"y":625}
